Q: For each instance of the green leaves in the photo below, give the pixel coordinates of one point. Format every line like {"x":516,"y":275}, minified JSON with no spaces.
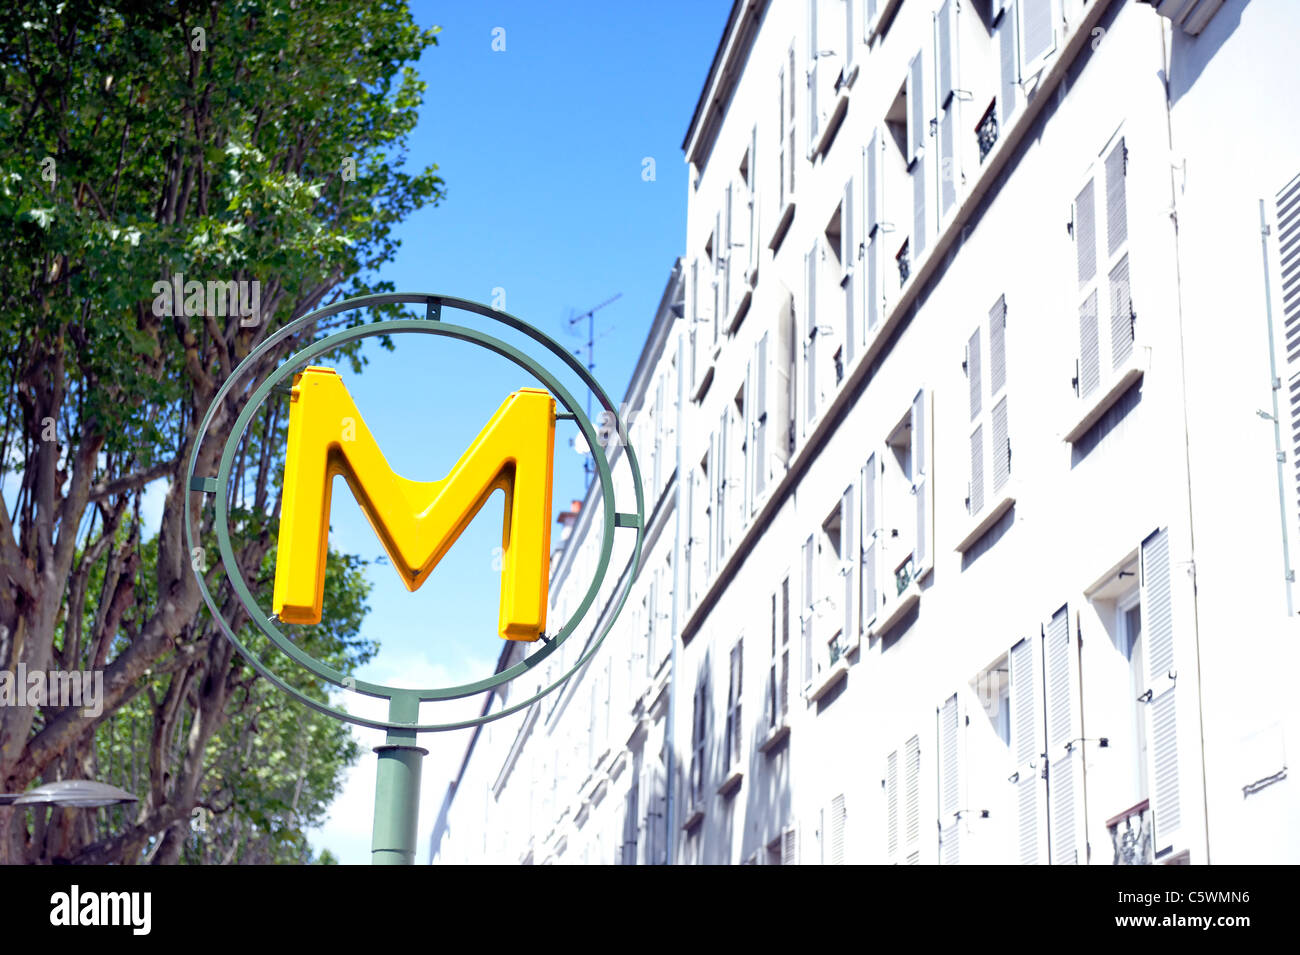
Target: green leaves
{"x":276,"y":155}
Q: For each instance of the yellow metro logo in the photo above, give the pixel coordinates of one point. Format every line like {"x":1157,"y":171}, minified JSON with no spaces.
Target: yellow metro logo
{"x":416,"y":521}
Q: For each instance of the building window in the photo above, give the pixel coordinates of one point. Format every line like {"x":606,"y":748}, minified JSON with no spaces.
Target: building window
{"x":831,"y":582}
{"x":897,"y":526}
{"x":899,"y":469}
{"x":1107,"y":320}
{"x":900,"y":172}
{"x":993,"y":689}
{"x":841,"y":239}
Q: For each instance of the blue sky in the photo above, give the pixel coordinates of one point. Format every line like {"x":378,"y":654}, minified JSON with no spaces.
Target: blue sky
{"x":542,"y":146}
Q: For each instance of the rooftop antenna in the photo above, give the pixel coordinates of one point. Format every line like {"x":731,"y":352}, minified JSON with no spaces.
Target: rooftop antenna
{"x":588,"y":466}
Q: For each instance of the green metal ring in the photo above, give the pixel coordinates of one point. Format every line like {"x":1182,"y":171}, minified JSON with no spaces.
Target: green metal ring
{"x":434,"y":326}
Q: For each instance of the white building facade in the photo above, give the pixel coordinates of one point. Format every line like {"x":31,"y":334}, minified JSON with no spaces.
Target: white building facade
{"x":972,"y":513}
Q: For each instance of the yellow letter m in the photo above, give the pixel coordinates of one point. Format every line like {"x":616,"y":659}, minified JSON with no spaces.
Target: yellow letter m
{"x":417,"y":521}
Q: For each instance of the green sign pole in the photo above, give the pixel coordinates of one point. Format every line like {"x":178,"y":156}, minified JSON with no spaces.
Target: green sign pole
{"x":397,"y":787}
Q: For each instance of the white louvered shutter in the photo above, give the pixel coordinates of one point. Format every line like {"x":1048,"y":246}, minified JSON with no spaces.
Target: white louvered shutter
{"x":724,"y":320}
{"x":719,"y":266}
{"x":783,"y":186}
{"x":850,"y":562}
{"x":1287,"y":208}
{"x":759,"y":453}
{"x":661,"y":816}
{"x":837,"y":824}
{"x":913,"y":93}
{"x":1162,"y":682}
{"x":645,"y":821}
{"x":752,"y":202}
{"x":1123,"y":319}
{"x":661,"y":439}
{"x":785,"y":647}
{"x":849,"y":39}
{"x":1085,"y":248}
{"x":742,"y":432}
{"x":999,"y":445}
{"x":806,"y":612}
{"x":870,"y":548}
{"x":783,"y":399}
{"x":771,"y":706}
{"x":948,"y":166}
{"x":946,"y":65}
{"x":720,"y":464}
{"x":916,"y":131}
{"x":873,"y":288}
{"x":1037,"y":34}
{"x":695,"y":325}
{"x":1026,"y":746}
{"x":1009,"y":85}
{"x":734,"y":709}
{"x":922,"y":453}
{"x":919,"y":211}
{"x":1064,"y":780}
{"x":632,"y":821}
{"x":949,"y":788}
{"x":912,"y":800}
{"x":871,"y":238}
{"x":871,"y":18}
{"x":975,"y":381}
{"x":892,"y":831}
{"x":710,"y":475}
{"x":849,"y":262}
{"x":945,"y":51}
{"x":690,"y":549}
{"x":998,"y":346}
{"x":814,"y":120}
{"x":790,"y":846}
{"x":872,"y":197}
{"x":810,"y":332}
{"x":652,"y":629}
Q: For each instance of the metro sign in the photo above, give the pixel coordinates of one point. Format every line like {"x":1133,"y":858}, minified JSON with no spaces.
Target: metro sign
{"x":416,"y":521}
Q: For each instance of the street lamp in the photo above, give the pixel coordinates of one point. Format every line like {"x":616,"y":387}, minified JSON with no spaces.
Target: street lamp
{"x":72,"y":793}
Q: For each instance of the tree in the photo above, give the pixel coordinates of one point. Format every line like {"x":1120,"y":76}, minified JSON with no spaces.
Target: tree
{"x":240,"y":142}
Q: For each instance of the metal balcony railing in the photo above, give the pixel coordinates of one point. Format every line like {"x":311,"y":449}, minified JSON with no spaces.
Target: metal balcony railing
{"x":987,"y":130}
{"x":1130,"y":835}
